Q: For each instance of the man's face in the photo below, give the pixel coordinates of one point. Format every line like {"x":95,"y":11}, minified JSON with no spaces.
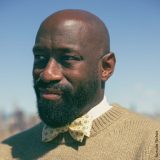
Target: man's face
{"x":65,"y":72}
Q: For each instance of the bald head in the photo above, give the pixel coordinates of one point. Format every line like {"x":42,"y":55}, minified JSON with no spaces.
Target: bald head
{"x":90,"y":28}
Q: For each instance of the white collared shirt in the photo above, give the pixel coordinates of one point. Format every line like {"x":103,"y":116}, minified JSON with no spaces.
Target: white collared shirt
{"x":99,"y":109}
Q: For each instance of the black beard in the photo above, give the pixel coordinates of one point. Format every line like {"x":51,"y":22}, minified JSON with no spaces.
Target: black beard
{"x":71,"y":105}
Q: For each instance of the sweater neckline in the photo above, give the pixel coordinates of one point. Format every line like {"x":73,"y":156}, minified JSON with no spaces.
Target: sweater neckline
{"x":107,"y":119}
{"x":99,"y":124}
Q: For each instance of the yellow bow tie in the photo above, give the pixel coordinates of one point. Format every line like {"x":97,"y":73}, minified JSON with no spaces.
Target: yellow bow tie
{"x":78,"y":129}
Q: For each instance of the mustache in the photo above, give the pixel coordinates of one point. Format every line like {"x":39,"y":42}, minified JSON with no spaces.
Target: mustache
{"x":52,"y":85}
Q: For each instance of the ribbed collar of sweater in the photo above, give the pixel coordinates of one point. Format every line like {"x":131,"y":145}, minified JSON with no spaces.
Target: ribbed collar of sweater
{"x":107,"y":119}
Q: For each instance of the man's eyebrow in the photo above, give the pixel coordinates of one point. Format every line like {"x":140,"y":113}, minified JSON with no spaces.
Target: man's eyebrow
{"x":63,"y":50}
{"x":39,"y":48}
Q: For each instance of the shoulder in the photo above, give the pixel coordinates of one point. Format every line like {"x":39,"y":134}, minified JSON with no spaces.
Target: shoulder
{"x":5,"y":151}
{"x":20,"y":141}
{"x":144,"y":130}
{"x":137,"y":121}
{"x":25,"y":136}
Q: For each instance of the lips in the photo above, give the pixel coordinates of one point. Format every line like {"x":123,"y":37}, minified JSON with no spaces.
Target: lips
{"x":50,"y":94}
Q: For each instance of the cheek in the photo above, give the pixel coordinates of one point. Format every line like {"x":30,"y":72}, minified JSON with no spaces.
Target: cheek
{"x":83,"y":73}
{"x":79,"y":71}
{"x":36,"y":73}
{"x":94,"y":69}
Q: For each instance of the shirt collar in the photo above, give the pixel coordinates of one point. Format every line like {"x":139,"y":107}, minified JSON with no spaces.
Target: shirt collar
{"x":99,"y":109}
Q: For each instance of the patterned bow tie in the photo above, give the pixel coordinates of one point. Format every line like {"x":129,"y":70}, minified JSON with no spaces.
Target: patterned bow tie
{"x":78,"y":129}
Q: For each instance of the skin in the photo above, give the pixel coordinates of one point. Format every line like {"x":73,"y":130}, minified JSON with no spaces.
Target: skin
{"x":72,"y":61}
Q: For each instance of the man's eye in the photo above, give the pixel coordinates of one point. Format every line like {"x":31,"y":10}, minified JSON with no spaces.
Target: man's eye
{"x":40,"y":61}
{"x":70,"y":58}
{"x":40,"y":58}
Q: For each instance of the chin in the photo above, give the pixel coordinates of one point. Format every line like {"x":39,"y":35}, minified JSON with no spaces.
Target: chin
{"x":56,"y":114}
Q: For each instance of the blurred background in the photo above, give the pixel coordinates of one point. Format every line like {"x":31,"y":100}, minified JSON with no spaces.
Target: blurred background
{"x":134,"y":28}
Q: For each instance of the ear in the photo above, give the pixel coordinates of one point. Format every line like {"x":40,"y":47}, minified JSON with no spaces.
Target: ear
{"x":108,"y":65}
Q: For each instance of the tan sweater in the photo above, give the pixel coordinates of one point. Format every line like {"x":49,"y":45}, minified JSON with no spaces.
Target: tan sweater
{"x":116,"y":135}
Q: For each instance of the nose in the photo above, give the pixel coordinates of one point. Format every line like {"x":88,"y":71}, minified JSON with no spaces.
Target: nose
{"x":52,"y":72}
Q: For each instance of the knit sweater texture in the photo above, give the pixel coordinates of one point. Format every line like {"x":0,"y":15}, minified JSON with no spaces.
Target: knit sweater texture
{"x":116,"y":135}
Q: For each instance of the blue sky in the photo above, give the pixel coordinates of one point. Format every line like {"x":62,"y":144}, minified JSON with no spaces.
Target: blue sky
{"x":134,"y":28}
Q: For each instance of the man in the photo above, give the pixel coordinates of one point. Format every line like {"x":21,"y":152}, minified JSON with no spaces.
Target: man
{"x":72,"y":61}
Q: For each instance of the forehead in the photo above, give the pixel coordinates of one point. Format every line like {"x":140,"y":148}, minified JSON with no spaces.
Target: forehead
{"x":69,"y":32}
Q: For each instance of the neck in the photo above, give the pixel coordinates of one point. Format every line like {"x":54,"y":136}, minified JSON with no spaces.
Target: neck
{"x":94,"y":101}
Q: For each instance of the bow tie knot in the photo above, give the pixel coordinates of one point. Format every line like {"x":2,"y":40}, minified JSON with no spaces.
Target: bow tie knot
{"x":78,"y":129}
